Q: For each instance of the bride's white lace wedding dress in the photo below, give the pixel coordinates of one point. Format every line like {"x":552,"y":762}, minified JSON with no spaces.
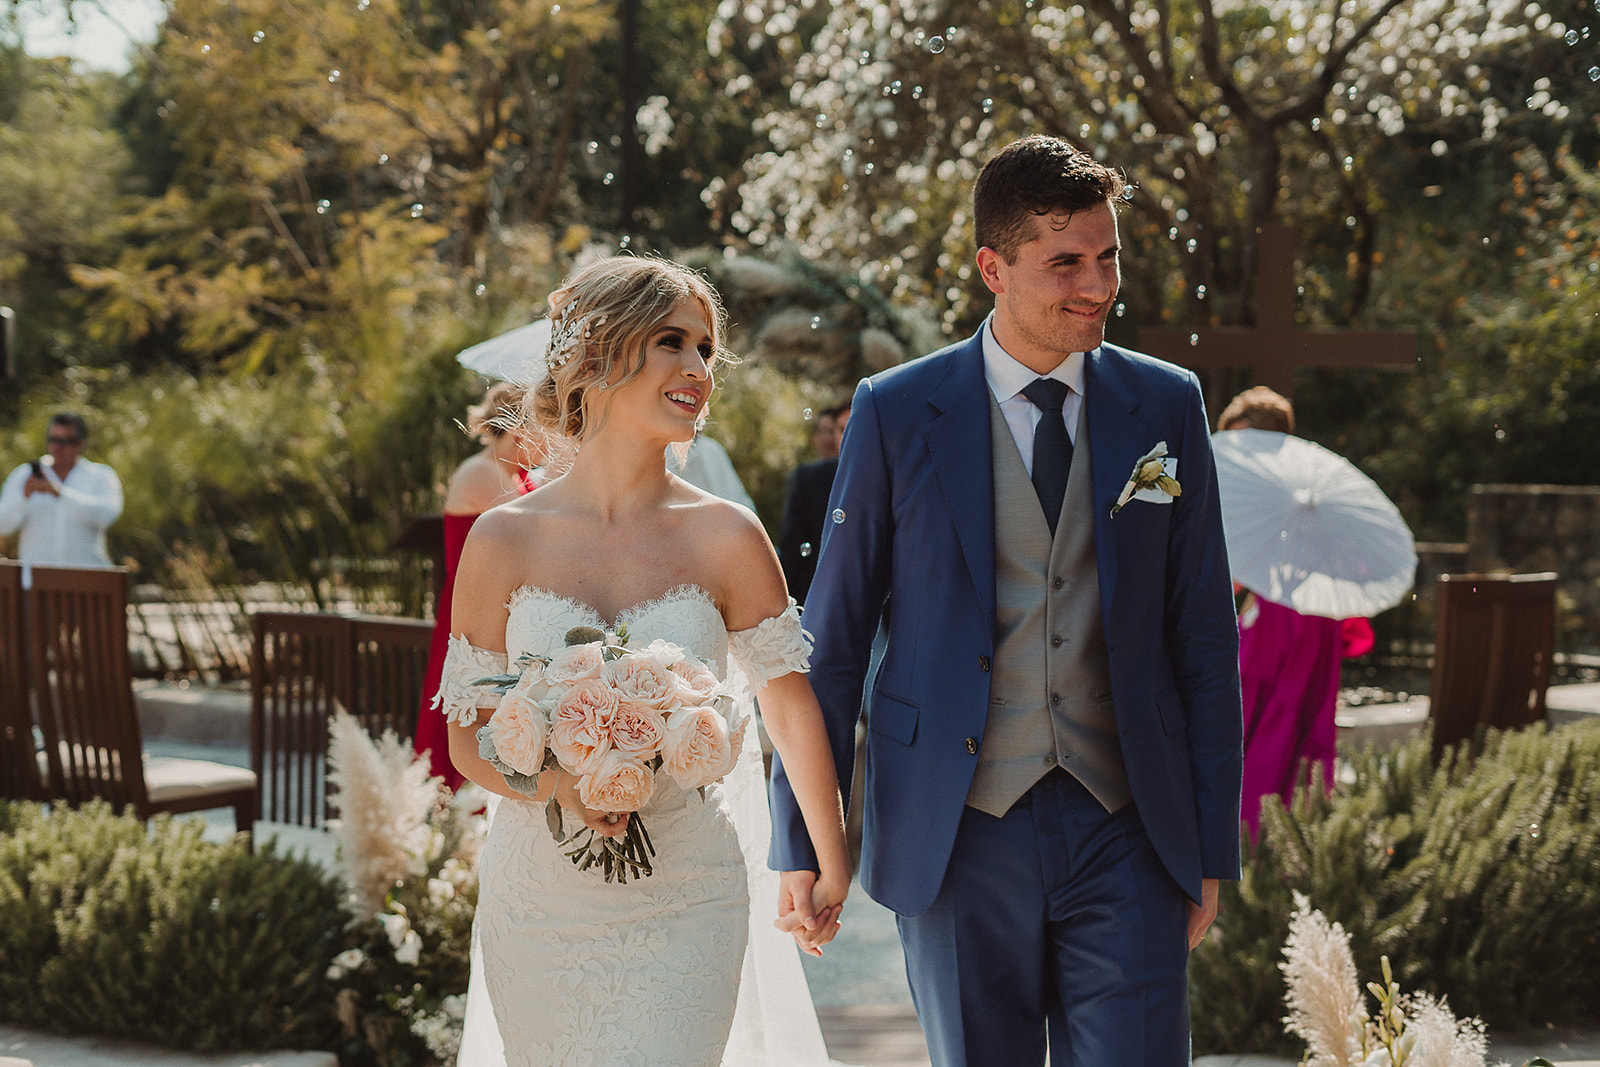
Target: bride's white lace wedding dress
{"x":682,"y":967}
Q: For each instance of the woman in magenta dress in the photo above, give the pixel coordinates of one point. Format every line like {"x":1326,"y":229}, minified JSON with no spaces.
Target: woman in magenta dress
{"x":505,"y":468}
{"x":1289,"y":668}
{"x":1288,"y":662}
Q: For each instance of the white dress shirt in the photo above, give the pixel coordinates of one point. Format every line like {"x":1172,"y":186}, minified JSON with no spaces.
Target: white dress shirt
{"x":67,"y":530}
{"x":1007,"y":378}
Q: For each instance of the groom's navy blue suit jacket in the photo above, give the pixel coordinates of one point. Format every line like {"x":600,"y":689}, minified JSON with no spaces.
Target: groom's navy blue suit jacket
{"x":912,"y":523}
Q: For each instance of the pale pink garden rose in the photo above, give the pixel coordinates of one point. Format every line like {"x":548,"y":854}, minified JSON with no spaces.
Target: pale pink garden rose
{"x":640,"y":680}
{"x":519,"y":731}
{"x":533,"y":684}
{"x":696,"y":683}
{"x":697,"y":749}
{"x":660,"y":651}
{"x":616,"y":783}
{"x":580,"y":725}
{"x":637,"y":730}
{"x":574,"y":663}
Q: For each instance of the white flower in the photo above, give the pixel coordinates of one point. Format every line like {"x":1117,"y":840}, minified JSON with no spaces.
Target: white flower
{"x":410,"y":950}
{"x":349,"y":960}
{"x":395,"y":925}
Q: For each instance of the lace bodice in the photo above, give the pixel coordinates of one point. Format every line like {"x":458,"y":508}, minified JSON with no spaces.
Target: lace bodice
{"x":686,"y":615}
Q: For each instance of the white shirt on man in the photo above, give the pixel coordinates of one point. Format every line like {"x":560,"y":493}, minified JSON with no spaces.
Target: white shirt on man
{"x":1007,"y":378}
{"x":67,"y":530}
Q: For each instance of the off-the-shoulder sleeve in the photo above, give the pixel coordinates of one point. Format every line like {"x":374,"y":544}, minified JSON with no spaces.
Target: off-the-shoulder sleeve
{"x":771,"y":648}
{"x":464,"y":664}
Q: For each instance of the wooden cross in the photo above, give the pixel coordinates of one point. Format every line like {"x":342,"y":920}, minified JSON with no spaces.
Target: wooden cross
{"x":1273,"y":348}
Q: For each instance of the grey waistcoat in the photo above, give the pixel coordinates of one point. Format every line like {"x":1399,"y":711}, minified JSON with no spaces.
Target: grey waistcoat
{"x":1050,"y":695}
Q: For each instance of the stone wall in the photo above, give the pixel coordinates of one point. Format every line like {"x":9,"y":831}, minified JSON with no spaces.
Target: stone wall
{"x":1520,"y":529}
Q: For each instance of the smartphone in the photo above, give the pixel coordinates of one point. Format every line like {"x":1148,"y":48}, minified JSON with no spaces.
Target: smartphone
{"x":38,"y":471}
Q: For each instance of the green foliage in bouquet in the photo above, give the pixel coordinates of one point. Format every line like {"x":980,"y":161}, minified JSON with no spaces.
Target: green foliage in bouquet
{"x":152,"y":933}
{"x":1478,"y":879}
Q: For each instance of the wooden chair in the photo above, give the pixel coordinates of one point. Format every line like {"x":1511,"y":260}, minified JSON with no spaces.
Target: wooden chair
{"x":83,"y":685}
{"x":305,"y":668}
{"x":19,"y":764}
{"x":1492,"y":653}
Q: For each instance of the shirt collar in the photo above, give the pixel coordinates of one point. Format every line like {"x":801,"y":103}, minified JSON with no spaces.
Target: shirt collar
{"x":1006,"y":377}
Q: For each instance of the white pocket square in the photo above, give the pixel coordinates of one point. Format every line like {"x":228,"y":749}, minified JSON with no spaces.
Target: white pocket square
{"x":1156,"y":495}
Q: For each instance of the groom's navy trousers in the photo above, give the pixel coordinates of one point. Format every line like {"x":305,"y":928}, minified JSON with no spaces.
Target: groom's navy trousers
{"x":1059,"y":910}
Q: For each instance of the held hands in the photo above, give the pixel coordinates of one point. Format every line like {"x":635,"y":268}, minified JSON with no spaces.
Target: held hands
{"x":809,"y":907}
{"x":604,"y":823}
{"x":38,"y":483}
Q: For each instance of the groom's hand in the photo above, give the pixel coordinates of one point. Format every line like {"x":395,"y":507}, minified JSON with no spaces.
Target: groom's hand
{"x":798,"y":917}
{"x":794,"y":901}
{"x":1202,"y":914}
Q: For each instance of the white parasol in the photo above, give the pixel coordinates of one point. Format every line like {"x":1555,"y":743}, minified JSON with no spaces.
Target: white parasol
{"x":1306,"y":529}
{"x":516,"y":356}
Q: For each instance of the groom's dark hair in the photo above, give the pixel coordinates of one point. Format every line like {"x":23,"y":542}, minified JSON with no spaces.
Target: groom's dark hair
{"x":1036,"y":177}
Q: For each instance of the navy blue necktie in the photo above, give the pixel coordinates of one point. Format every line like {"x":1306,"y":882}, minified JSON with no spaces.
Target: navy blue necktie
{"x":1052,"y":448}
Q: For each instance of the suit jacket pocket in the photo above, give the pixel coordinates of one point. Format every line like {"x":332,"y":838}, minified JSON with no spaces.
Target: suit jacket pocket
{"x":893,"y":717}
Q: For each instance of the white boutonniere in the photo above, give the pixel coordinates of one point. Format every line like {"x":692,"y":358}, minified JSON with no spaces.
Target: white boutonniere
{"x":1152,"y":474}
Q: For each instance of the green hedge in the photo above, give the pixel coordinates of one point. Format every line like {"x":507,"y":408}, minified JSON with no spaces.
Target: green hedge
{"x":1478,"y":878}
{"x":111,"y":928}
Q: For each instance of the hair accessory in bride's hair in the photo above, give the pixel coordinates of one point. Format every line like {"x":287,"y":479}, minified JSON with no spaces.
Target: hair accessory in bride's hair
{"x":566,"y":336}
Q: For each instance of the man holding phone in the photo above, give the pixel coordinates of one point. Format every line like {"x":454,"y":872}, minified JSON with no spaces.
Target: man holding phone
{"x":61,"y":502}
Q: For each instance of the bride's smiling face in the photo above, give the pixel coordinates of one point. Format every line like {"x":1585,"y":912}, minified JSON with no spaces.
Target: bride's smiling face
{"x":672,"y":387}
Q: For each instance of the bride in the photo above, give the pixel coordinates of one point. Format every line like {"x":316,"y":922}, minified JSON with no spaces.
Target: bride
{"x":669,"y":968}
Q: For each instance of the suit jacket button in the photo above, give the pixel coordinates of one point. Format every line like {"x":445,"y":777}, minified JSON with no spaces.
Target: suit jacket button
{"x":983,"y":664}
{"x":972,"y":746}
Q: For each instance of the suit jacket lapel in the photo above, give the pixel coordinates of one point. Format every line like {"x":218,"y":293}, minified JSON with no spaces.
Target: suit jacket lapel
{"x":1116,"y":436}
{"x":958,"y":440}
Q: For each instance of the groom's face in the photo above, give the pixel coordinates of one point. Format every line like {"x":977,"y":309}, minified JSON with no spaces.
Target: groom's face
{"x":1054,"y":299}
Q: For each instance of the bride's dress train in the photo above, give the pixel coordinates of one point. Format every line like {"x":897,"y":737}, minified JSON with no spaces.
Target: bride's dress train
{"x":683,"y":967}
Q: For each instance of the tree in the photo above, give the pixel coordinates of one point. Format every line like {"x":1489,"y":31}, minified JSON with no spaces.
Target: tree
{"x":62,"y":174}
{"x":1228,"y":115}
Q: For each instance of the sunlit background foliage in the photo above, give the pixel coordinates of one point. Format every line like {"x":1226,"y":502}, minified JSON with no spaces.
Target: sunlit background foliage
{"x":251,"y":259}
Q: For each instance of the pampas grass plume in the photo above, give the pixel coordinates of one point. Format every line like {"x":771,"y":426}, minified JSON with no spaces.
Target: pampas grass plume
{"x":384,"y":798}
{"x":1324,"y":996}
{"x":1440,"y":1039}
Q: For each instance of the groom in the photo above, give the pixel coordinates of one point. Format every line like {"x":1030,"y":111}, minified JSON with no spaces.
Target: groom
{"x":1053,"y":753}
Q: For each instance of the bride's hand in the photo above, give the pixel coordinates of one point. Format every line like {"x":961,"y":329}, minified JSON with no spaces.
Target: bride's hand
{"x":605,"y":823}
{"x":809,"y":908}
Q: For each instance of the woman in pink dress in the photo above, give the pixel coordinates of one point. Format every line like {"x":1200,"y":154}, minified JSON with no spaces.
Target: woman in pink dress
{"x":507,"y":466}
{"x":1288,"y":662}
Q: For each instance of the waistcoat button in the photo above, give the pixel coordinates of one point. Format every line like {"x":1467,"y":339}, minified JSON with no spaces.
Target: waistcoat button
{"x":983,"y":663}
{"x":972,"y":746}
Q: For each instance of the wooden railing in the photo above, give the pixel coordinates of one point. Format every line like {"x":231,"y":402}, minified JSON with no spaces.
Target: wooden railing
{"x":305,"y":667}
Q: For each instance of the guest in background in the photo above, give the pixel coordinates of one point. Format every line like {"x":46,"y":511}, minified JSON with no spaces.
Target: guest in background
{"x":508,"y":465}
{"x":61,"y":502}
{"x":805,"y":508}
{"x":1288,"y":662}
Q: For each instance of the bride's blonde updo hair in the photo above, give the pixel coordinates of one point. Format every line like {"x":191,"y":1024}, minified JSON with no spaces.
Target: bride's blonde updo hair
{"x":600,"y":320}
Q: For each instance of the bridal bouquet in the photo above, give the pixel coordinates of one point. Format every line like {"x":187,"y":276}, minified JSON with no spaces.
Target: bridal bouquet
{"x":614,"y":718}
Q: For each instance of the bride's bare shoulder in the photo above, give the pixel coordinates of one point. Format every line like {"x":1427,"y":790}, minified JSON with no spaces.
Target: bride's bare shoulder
{"x":733,"y":545}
